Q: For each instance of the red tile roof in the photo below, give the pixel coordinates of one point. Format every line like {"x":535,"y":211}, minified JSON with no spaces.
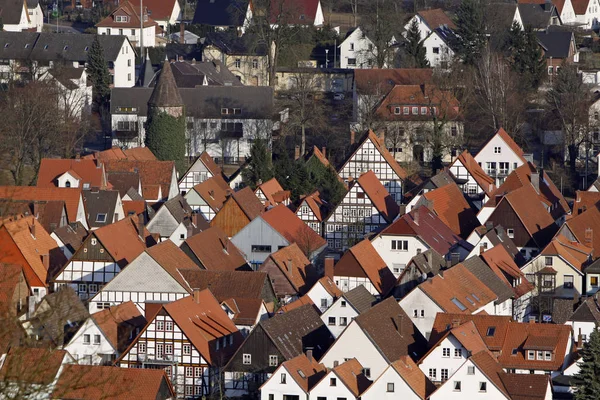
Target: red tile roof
{"x":378,"y":194}
{"x":122,"y":239}
{"x":294,"y":265}
{"x":89,"y":171}
{"x":330,"y":287}
{"x":94,"y":382}
{"x":116,"y":320}
{"x":352,"y":376}
{"x":413,"y":376}
{"x":126,"y":8}
{"x":206,"y":159}
{"x":293,"y":12}
{"x":488,"y":365}
{"x":483,"y":180}
{"x":436,"y":18}
{"x":502,"y":264}
{"x":306,"y":372}
{"x":245,"y":311}
{"x":301,"y":301}
{"x":320,"y":156}
{"x":580,"y":6}
{"x":449,"y":203}
{"x":586,"y":222}
{"x":293,"y":229}
{"x":584,"y":201}
{"x":381,"y":81}
{"x":116,"y":153}
{"x":273,"y":192}
{"x":71,"y":196}
{"x":443,"y":102}
{"x":573,"y":253}
{"x":314,"y":202}
{"x":215,"y":251}
{"x":214,"y":191}
{"x":510,"y":142}
{"x":248,"y":202}
{"x":160,"y":10}
{"x":152,"y":173}
{"x":389,"y":158}
{"x":34,"y":366}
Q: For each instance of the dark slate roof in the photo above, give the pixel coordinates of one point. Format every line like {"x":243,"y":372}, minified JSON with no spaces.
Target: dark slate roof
{"x":442,"y":178}
{"x":148,"y":74}
{"x":192,"y":74}
{"x":204,"y":102}
{"x":11,"y":11}
{"x":485,"y":274}
{"x":588,"y":311}
{"x":165,"y":93}
{"x":593,"y":268}
{"x":72,"y":235}
{"x":360,"y":299}
{"x":189,"y":52}
{"x":56,"y":46}
{"x":556,"y":44}
{"x":178,"y":207}
{"x":221,"y":12}
{"x":562,"y":309}
{"x":99,"y":202}
{"x":297,"y":330}
{"x":536,"y":15}
{"x":429,"y":262}
{"x":230,"y":43}
{"x":227,"y":284}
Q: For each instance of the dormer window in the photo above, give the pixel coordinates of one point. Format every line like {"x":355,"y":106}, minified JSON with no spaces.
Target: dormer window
{"x":397,"y":110}
{"x":406,"y":110}
{"x":224,"y":111}
{"x":530,"y":354}
{"x":121,"y":18}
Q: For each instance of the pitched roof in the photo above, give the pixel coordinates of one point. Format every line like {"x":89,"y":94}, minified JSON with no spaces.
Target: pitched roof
{"x":295,"y":330}
{"x":301,"y":301}
{"x":116,"y":153}
{"x":314,"y":202}
{"x":488,"y":365}
{"x":305,"y":372}
{"x":124,"y":181}
{"x":98,"y":202}
{"x":436,"y":18}
{"x":510,"y":142}
{"x":352,"y":376}
{"x":318,"y":154}
{"x":450,"y":205}
{"x":202,"y":320}
{"x":525,"y":386}
{"x":364,"y":255}
{"x":160,"y":9}
{"x":498,"y":284}
{"x":165,"y":93}
{"x":89,"y":171}
{"x":33,"y":366}
{"x":429,"y":262}
{"x":227,"y":284}
{"x":588,"y":311}
{"x":273,"y":192}
{"x":95,"y":382}
{"x":245,"y":311}
{"x":215,"y":251}
{"x":293,"y":12}
{"x":556,"y":44}
{"x":221,"y":13}
{"x":330,"y":287}
{"x":483,"y":180}
{"x":381,"y":81}
{"x":444,"y":102}
{"x":585,"y":200}
{"x":152,"y":172}
{"x":413,"y":376}
{"x":389,"y":158}
{"x":294,"y":265}
{"x":458,"y":290}
{"x":210,"y":164}
{"x":422,"y":222}
{"x":125,"y":7}
{"x":172,"y":259}
{"x":581,"y":224}
{"x":293,"y":229}
{"x":576,"y":254}
{"x":71,"y":196}
{"x":379,"y":195}
{"x":12,"y":11}
{"x":391,"y":331}
{"x":248,"y":202}
{"x":580,"y":6}
{"x":122,"y":239}
{"x":117,"y":323}
{"x":536,"y":15}
{"x":360,"y":299}
{"x":10,"y":277}
{"x":503,"y":265}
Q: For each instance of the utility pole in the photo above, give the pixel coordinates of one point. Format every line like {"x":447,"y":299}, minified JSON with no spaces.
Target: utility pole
{"x":141,"y":32}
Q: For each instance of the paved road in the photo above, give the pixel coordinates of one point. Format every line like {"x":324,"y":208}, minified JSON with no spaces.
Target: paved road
{"x":61,"y":28}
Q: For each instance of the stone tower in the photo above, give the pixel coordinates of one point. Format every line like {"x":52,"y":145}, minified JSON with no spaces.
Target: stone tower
{"x":165,"y":96}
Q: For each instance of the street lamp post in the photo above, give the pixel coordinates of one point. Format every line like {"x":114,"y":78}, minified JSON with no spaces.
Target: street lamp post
{"x":326,"y":58}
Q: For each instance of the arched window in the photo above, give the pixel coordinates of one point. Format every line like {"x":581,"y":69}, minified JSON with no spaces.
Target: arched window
{"x":68,"y":184}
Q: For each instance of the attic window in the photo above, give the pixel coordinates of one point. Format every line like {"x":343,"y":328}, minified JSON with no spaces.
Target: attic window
{"x":101,"y":218}
{"x":475,"y":296}
{"x":46,"y":47}
{"x":515,"y":351}
{"x":491,"y":331}
{"x":224,"y":111}
{"x":65,"y":48}
{"x":470,"y":300}
{"x":458,"y":304}
{"x":86,"y":48}
{"x":121,"y":18}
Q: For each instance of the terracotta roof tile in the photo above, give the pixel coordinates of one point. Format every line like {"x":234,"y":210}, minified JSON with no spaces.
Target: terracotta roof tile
{"x":584,"y":201}
{"x":381,"y":81}
{"x":580,"y":6}
{"x":371,"y":263}
{"x":576,"y":254}
{"x":71,"y":196}
{"x":419,"y":96}
{"x":94,"y":382}
{"x":172,"y":259}
{"x":320,"y":156}
{"x":301,"y":301}
{"x":502,"y":264}
{"x":413,"y":376}
{"x":269,"y":189}
{"x":330,"y":287}
{"x":510,"y":142}
{"x":245,"y":311}
{"x":122,"y":239}
{"x":116,"y":153}
{"x":449,"y":203}
{"x":351,"y":374}
{"x":389,"y":158}
{"x":127,"y":8}
{"x":215,"y":251}
{"x":248,"y":202}
{"x":160,"y":10}
{"x":378,"y":194}
{"x":153,"y":173}
{"x":208,"y":161}
{"x":582,"y":223}
{"x":134,"y":207}
{"x":488,"y":365}
{"x":307,"y":373}
{"x":118,"y":322}
{"x":227,"y":284}
{"x":293,"y":229}
{"x":457,"y":290}
{"x":525,"y":386}
{"x":314,"y":202}
{"x":89,"y":171}
{"x":292,"y":262}
{"x":214,"y":191}
{"x":36,"y":366}
{"x":436,"y":18}
{"x":483,"y":180}
{"x":467,"y":335}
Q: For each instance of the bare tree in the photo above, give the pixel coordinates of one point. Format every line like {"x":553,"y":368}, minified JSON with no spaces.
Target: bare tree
{"x":381,"y":25}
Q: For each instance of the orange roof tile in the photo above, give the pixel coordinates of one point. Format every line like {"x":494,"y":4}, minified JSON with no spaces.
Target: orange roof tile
{"x":320,"y":156}
{"x":314,"y":202}
{"x":457,"y":290}
{"x":511,"y":143}
{"x":490,"y":367}
{"x":443,"y":102}
{"x":151,"y":172}
{"x":389,"y":158}
{"x":273,"y":191}
{"x":502,"y":264}
{"x":293,"y":229}
{"x":134,"y":207}
{"x":116,"y":153}
{"x":436,"y":18}
{"x":378,"y":194}
{"x":215,"y":251}
{"x":248,"y":202}
{"x":584,"y":201}
{"x":303,"y":300}
{"x":306,"y":372}
{"x":580,"y":6}
{"x":172,"y":259}
{"x":245,"y":311}
{"x":35,"y":366}
{"x":351,"y":374}
{"x":214,"y":191}
{"x":381,"y":81}
{"x":206,"y":159}
{"x":574,"y":253}
{"x":122,"y":240}
{"x":292,"y":262}
{"x":111,"y":322}
{"x":372,"y":264}
{"x":330,"y":287}
{"x":70,"y":196}
{"x":586,"y":222}
{"x":95,"y":382}
{"x":450,"y":205}
{"x":484,"y":181}
{"x":413,"y":376}
{"x":160,"y":9}
{"x":88,"y":171}
{"x":126,"y":8}
{"x":467,"y":335}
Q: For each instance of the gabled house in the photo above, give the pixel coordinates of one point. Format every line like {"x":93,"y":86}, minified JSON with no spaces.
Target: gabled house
{"x":78,"y":173}
{"x":290,"y":272}
{"x":479,"y":186}
{"x":559,"y":49}
{"x":21,"y":15}
{"x":366,"y":207}
{"x":370,"y":153}
{"x":347,"y":380}
{"x":271,"y":194}
{"x":346,"y":308}
{"x":358,"y":51}
{"x":105,"y":334}
{"x":295,"y":377}
{"x":526,"y":219}
{"x":191,"y":339}
{"x":126,"y":20}
{"x":159,"y":178}
{"x":102,"y":207}
{"x":324,"y":292}
{"x":580,"y":228}
{"x":245,"y":313}
{"x":239,"y":210}
{"x":14,"y":291}
{"x":584,"y":320}
{"x":361,"y":265}
{"x":537,"y":15}
{"x":421,"y":267}
{"x":312,"y":210}
{"x":585,"y":14}
{"x":50,"y":214}
{"x":401,"y":378}
{"x":487,"y":236}
{"x":235,"y":14}
{"x":164,"y":13}
{"x":212,"y":250}
{"x":499,"y":156}
{"x":95,"y":382}
{"x":296,"y":13}
{"x":151,"y":279}
{"x":24,"y":242}
{"x":272,"y":342}
{"x":277,"y":228}
{"x":437,"y":31}
{"x":203,"y":168}
{"x":414,"y":233}
{"x":175,"y":221}
{"x":102,"y":255}
{"x":456,"y":290}
{"x":377,"y":338}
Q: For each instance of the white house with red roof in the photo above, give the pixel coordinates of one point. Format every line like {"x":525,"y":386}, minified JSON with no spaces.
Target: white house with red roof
{"x":164,"y":12}
{"x":294,"y":378}
{"x":125,"y":21}
{"x":401,"y":379}
{"x":478,"y":186}
{"x":323,"y":293}
{"x":202,"y":169}
{"x":348,"y":380}
{"x":500,"y":156}
{"x":436,"y":30}
{"x":311,"y":211}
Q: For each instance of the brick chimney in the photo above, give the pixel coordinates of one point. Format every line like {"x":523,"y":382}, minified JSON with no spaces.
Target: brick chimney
{"x":309,"y":354}
{"x":535,"y":181}
{"x":196,"y":295}
{"x":352,"y":137}
{"x":329,"y":264}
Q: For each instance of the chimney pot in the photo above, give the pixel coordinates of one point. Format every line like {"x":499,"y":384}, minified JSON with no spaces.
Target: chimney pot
{"x":329,"y":263}
{"x":196,"y":295}
{"x":352,"y":137}
{"x":309,"y":355}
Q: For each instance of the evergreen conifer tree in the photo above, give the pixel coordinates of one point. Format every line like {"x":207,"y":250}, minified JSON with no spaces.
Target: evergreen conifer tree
{"x":470,"y":39}
{"x":98,"y":74}
{"x":414,"y":46}
{"x":260,"y":166}
{"x":589,"y":369}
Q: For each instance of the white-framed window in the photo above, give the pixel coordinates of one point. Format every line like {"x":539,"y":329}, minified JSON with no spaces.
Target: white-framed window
{"x":568,"y":281}
{"x":510,"y":233}
{"x":367,"y":372}
{"x":397,"y":110}
{"x":283,"y":378}
{"x":530,"y":355}
{"x":247,"y":359}
{"x":343,"y":321}
{"x":97,"y":339}
{"x":351,"y":47}
{"x":189,"y":372}
{"x":483,"y":386}
{"x":457,"y":386}
{"x":187,"y":349}
{"x":471,"y":370}
{"x":406,"y":110}
{"x":238,"y":62}
{"x":82,"y":288}
{"x":273,"y":361}
{"x":457,"y":353}
{"x":432,"y":373}
{"x":446,"y":352}
{"x":160,"y":325}
{"x":415,"y":110}
{"x":93,"y":288}
{"x":255,"y":63}
{"x":497,"y":150}
{"x":87,"y":339}
{"x":548,"y":354}
{"x":198,"y":372}
{"x":141,"y":347}
{"x":331,"y":321}
{"x":400,"y":245}
{"x":423,"y":110}
{"x":444,"y":374}
{"x":168,"y":325}
{"x":390,"y":387}
{"x":343,"y":303}
{"x":160,"y":350}
{"x":548,"y":261}
{"x":423,"y":313}
{"x":94,"y":241}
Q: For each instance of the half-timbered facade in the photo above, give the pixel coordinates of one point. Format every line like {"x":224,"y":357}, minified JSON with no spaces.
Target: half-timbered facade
{"x":367,"y":207}
{"x":208,"y":197}
{"x":478,"y":186}
{"x":310,"y":211}
{"x":102,"y":256}
{"x":202,"y":169}
{"x":190,"y":339}
{"x":371,"y":155}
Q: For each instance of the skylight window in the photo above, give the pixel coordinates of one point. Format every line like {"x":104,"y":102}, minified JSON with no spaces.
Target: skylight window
{"x":470,"y":300}
{"x":66,"y":48}
{"x":101,"y":218}
{"x":491,"y":331}
{"x":458,"y":304}
{"x":475,"y":296}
